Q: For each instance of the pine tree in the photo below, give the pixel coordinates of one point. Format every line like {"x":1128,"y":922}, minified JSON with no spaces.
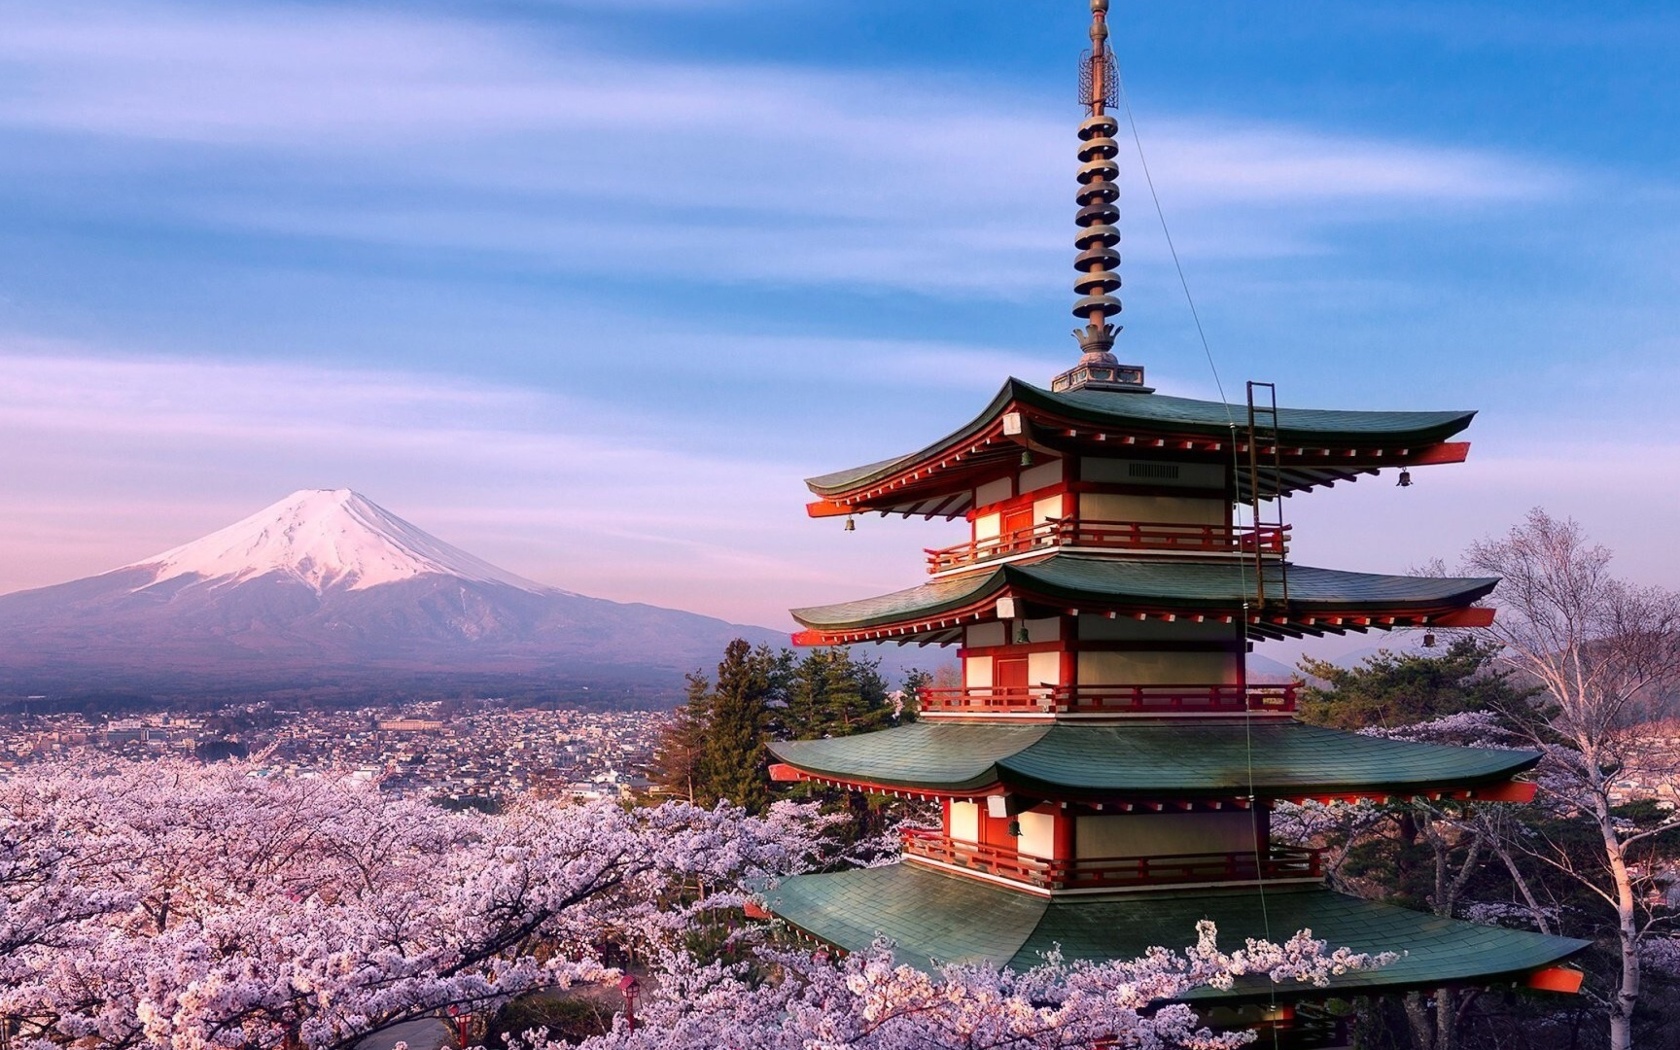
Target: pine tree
{"x":677,"y":755}
{"x":831,"y":694}
{"x":732,"y":760}
{"x":1390,"y":689}
{"x":910,"y":696}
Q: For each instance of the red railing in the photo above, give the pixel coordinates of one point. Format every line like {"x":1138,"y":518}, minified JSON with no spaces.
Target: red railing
{"x":1114,"y":535}
{"x":1282,"y":862}
{"x":1129,"y":699}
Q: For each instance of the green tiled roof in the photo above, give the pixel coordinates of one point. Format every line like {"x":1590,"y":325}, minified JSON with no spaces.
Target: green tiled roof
{"x":936,"y":917}
{"x":1151,"y":760}
{"x":1158,"y":413}
{"x":1154,"y":583}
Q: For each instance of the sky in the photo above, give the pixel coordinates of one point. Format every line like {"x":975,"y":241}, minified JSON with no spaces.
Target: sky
{"x":587,"y":287}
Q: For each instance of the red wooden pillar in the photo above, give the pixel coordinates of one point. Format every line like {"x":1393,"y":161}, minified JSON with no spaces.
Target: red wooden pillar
{"x":1070,"y":659}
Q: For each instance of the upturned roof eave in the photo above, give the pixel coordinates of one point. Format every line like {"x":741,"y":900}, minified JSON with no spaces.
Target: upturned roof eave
{"x":841,"y":481}
{"x":999,"y":779}
{"x":931,"y":917}
{"x":838,"y":485}
{"x":1030,"y":580}
{"x":1065,"y":761}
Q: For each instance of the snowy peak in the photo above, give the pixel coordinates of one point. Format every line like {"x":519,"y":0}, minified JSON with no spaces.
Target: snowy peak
{"x":327,"y":539}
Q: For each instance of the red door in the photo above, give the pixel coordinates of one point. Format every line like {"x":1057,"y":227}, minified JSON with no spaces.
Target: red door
{"x":1009,"y":680}
{"x":1017,"y":529}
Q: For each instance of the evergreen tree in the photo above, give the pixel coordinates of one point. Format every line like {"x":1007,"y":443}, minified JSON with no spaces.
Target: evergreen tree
{"x":910,"y":696}
{"x":732,"y":760}
{"x":677,"y":755}
{"x":1395,"y":689}
{"x":829,"y":693}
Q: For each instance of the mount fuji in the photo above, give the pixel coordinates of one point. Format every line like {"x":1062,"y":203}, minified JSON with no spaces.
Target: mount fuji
{"x":326,"y":589}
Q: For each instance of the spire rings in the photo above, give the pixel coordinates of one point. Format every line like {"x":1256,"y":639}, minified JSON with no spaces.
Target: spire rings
{"x":1091,"y":236}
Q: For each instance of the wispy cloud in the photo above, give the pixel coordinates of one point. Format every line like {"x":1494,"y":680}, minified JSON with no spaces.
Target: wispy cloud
{"x":408,"y":130}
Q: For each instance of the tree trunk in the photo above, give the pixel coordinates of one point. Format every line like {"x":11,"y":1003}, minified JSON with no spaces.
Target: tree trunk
{"x":1627,"y":931}
{"x":1417,"y":1019}
{"x":1447,"y":1006}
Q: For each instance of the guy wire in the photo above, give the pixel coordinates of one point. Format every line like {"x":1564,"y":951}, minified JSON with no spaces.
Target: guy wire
{"x":1236,"y":467}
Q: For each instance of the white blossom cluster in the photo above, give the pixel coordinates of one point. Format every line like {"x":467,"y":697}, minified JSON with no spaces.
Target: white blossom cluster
{"x":172,"y":905}
{"x":868,"y":1001}
{"x":164,"y":905}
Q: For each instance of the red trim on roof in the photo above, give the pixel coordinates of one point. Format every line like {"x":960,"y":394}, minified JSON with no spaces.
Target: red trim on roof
{"x":1445,"y":452}
{"x":1556,"y":979}
{"x":1476,"y":616}
{"x":1510,"y":791}
{"x":823,"y":508}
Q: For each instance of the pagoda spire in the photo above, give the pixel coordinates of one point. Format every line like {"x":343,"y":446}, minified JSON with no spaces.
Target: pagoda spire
{"x":1098,"y":258}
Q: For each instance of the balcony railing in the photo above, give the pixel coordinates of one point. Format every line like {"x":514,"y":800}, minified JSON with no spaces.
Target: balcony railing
{"x":1114,"y":535}
{"x":1282,"y":862}
{"x":1113,"y":699}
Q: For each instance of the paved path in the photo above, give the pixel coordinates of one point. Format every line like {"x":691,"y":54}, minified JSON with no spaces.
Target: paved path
{"x":428,"y":1033}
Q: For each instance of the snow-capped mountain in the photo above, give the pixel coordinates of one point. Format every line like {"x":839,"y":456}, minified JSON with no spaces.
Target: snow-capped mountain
{"x":325,"y":539}
{"x":326,"y":586}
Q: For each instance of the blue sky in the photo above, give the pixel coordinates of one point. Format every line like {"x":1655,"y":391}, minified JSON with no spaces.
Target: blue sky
{"x":587,"y":286}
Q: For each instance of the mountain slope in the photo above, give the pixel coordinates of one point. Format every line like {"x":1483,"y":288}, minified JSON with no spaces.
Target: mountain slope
{"x":327,"y":583}
{"x":325,"y":539}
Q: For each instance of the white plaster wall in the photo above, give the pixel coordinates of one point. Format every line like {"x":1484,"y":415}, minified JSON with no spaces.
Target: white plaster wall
{"x":1162,"y":834}
{"x":1146,"y":668}
{"x":1047,"y":508}
{"x":1038,"y":834}
{"x":1113,"y":506}
{"x":982,"y":634}
{"x":977,"y":672}
{"x":987,"y":527}
{"x":965,"y":821}
{"x":1048,"y":629}
{"x":994,"y":492}
{"x":1044,"y":667}
{"x":1041,"y":476}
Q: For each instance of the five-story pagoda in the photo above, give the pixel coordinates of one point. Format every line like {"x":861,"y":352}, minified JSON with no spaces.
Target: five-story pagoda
{"x":1106,"y":770}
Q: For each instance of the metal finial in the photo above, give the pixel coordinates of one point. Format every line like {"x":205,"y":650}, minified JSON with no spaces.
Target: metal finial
{"x":1098,"y":194}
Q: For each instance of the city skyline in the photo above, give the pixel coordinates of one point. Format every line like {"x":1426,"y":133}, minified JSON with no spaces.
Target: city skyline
{"x":588,"y":289}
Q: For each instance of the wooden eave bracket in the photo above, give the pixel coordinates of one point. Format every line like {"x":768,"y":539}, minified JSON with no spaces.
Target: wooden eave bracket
{"x":1503,"y":791}
{"x":787,"y":773}
{"x":823,"y":508}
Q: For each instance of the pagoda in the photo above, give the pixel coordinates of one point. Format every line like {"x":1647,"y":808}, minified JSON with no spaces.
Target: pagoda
{"x":1106,"y":770}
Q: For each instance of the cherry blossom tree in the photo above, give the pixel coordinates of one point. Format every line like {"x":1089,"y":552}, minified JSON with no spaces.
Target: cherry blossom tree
{"x":867,"y":1001}
{"x":165,"y":905}
{"x":169,"y":905}
{"x":44,"y":896}
{"x":1604,"y":652}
